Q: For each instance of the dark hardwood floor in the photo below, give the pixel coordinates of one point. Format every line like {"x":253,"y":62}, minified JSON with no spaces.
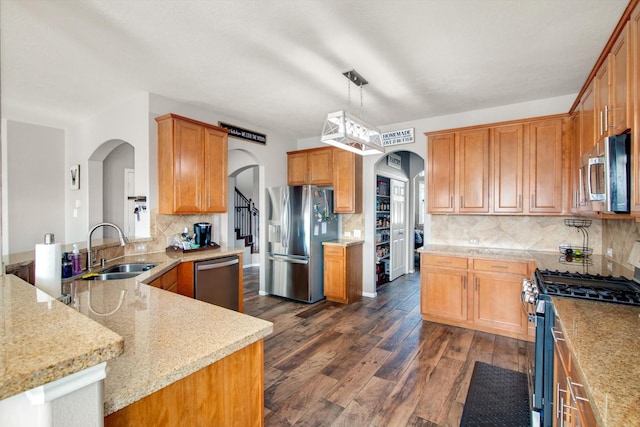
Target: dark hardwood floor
{"x":371,"y":363}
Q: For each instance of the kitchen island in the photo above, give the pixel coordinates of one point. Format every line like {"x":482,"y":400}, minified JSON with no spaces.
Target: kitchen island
{"x":184,"y":361}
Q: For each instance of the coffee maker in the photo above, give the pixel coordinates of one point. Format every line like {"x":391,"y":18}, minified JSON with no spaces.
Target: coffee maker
{"x":202,"y":232}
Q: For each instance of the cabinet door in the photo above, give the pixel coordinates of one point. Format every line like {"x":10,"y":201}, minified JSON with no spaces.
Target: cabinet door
{"x":602,"y":80}
{"x":620,"y":111}
{"x":215,"y":166}
{"x":588,"y":120}
{"x":441,"y":173}
{"x":497,"y":302}
{"x":188,"y":167}
{"x":473,"y":171}
{"x":545,"y":166}
{"x":635,"y":100}
{"x":347,"y":182}
{"x":334,"y":273}
{"x":320,"y":166}
{"x":507,"y":149}
{"x":296,"y":168}
{"x":444,"y":293}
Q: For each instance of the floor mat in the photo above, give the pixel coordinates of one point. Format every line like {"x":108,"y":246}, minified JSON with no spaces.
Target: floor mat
{"x":496,"y":397}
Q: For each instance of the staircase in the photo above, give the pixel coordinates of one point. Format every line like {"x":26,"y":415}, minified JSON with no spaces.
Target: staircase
{"x":246,"y":222}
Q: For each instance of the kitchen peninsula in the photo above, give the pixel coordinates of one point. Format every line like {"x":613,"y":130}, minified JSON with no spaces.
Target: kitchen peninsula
{"x":185,"y":362}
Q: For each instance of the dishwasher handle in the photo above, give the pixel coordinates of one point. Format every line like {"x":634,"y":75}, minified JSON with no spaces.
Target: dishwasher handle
{"x":210,"y":266}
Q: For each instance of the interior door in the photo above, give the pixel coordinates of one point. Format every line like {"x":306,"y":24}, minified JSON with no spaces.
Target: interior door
{"x":398,"y":229}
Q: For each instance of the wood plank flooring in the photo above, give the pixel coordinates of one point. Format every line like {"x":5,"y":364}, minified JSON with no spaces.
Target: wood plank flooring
{"x":371,"y":363}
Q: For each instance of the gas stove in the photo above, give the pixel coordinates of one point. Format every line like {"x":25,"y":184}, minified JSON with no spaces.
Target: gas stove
{"x":618,"y":290}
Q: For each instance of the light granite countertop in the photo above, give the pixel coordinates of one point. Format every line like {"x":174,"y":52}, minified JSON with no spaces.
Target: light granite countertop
{"x":43,"y":340}
{"x":604,"y":345}
{"x":166,"y":336}
{"x":343,"y":242}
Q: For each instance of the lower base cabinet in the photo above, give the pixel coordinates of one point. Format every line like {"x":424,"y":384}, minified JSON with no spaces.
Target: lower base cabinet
{"x":571,"y":406}
{"x":229,"y":392}
{"x":343,"y":272}
{"x":481,"y":294}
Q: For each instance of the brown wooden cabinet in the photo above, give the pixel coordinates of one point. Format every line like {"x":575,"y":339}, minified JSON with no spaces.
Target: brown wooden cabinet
{"x":507,"y":156}
{"x":168,"y":281}
{"x":347,"y":182}
{"x":443,"y":291}
{"x":473,"y":171}
{"x":327,"y":166}
{"x":635,"y":103}
{"x":343,"y":272}
{"x":441,"y":173}
{"x":497,"y":286}
{"x":475,"y":293}
{"x":546,"y":166}
{"x":571,"y":405}
{"x":229,"y":392}
{"x":458,"y":175}
{"x":192,"y":166}
{"x":313,"y":166}
{"x":504,"y":168}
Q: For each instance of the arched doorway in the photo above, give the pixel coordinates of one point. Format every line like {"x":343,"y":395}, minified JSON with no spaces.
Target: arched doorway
{"x":111,"y":178}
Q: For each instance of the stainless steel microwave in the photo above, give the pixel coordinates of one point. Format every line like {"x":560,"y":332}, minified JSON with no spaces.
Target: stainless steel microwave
{"x":605,"y":175}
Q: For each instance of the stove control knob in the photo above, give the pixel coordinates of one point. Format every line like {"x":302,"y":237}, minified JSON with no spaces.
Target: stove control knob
{"x":530,"y":298}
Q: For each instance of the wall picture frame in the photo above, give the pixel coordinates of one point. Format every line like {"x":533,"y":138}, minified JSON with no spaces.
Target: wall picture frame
{"x":74,"y":177}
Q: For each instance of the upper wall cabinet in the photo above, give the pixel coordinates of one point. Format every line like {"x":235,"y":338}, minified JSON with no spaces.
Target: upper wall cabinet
{"x":509,"y":168}
{"x":613,"y":89}
{"x":314,"y":166}
{"x":192,"y":166}
{"x":328,"y":166}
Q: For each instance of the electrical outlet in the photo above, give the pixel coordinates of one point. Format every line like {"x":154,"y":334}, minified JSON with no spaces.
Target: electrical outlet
{"x":347,"y":234}
{"x":357,"y":233}
{"x":610,"y":252}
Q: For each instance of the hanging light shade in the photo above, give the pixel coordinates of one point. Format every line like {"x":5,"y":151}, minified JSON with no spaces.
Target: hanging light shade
{"x":344,"y":130}
{"x":348,"y":132}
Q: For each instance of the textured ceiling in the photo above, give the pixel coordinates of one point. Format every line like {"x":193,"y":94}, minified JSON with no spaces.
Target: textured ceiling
{"x":277,"y":64}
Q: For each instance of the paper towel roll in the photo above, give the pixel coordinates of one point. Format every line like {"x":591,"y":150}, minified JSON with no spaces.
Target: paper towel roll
{"x":49,"y":268}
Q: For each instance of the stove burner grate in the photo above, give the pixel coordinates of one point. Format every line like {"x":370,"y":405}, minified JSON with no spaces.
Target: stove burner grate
{"x":618,"y":290}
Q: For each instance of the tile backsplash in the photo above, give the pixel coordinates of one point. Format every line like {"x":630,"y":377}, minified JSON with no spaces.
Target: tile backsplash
{"x":539,"y":233}
{"x":619,"y":235}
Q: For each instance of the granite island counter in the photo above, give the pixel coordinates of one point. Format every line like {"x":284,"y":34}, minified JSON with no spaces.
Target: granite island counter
{"x":184,"y":359}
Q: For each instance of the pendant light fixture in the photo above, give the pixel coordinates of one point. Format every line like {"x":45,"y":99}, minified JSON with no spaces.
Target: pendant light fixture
{"x":348,"y":132}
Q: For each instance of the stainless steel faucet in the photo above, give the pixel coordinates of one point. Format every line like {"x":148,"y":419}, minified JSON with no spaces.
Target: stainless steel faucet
{"x":90,"y":258}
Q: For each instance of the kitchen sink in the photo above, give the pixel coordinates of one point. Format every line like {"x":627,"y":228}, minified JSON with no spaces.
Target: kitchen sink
{"x":121,"y":271}
{"x":133,"y":267}
{"x":112,"y":276}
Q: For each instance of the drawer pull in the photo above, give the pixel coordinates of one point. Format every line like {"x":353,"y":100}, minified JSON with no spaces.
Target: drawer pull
{"x":444,"y":262}
{"x":556,"y":338}
{"x":499,"y":266}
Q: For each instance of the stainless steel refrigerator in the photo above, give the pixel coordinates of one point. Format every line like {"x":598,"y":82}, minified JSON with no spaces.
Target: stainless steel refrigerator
{"x":299,"y":219}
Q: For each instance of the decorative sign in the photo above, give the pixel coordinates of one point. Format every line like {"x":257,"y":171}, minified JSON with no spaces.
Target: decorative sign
{"x":394,"y":161}
{"x":398,"y":137}
{"x":249,"y":135}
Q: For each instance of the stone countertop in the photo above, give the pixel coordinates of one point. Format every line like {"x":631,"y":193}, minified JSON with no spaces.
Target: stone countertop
{"x":603,"y":341}
{"x":343,"y":242}
{"x":166,"y":336}
{"x":43,"y":340}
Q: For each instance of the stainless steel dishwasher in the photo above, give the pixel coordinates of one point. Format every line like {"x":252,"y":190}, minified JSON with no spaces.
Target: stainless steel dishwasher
{"x":216,"y":281}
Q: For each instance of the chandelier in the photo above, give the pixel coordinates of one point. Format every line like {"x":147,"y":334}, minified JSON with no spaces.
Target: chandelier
{"x":348,"y":132}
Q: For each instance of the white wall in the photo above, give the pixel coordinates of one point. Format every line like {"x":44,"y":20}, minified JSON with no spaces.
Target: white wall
{"x":126,"y":121}
{"x":543,"y":107}
{"x":35,"y":178}
{"x":114,"y":195}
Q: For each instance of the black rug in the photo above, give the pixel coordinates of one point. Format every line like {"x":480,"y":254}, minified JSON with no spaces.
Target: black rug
{"x":496,"y":397}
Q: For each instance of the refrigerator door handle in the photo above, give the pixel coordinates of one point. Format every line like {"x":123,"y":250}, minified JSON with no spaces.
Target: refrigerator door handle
{"x":287,"y":259}
{"x":285,"y":220}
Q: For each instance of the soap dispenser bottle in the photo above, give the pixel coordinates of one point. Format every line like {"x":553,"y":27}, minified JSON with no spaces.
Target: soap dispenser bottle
{"x":76,"y":260}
